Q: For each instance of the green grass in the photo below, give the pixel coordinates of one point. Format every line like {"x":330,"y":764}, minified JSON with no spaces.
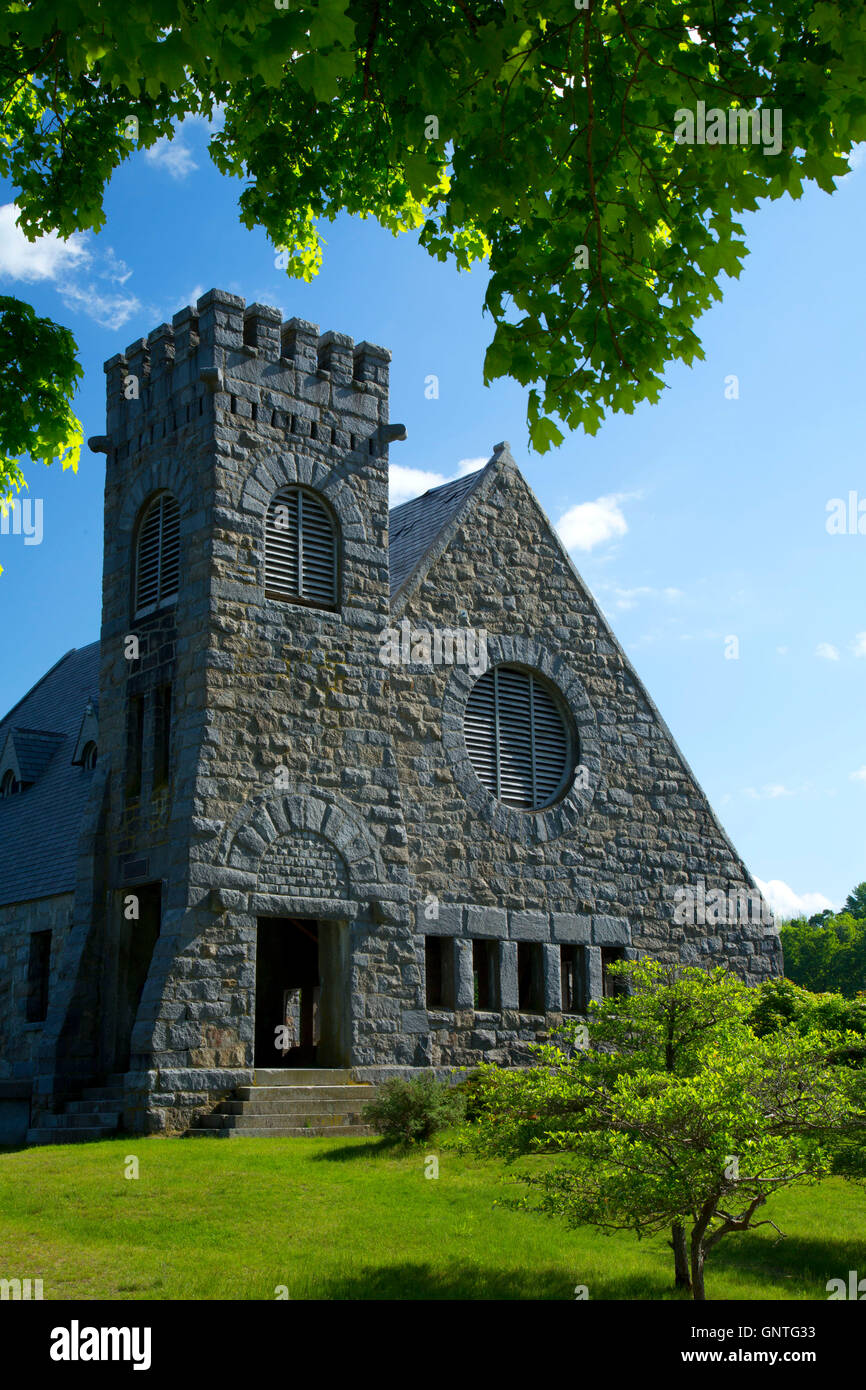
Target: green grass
{"x":344,"y":1218}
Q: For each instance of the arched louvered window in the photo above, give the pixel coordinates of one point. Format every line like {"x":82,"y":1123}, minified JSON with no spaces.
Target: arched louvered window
{"x":300,"y":550}
{"x":157,"y":555}
{"x":517,"y":738}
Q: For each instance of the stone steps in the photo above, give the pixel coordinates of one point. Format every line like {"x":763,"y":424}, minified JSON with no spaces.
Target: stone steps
{"x":88,"y":1119}
{"x":95,"y":1115}
{"x":289,"y":1132}
{"x":265,"y":1095}
{"x":291,"y":1103}
{"x":302,"y":1076}
{"x":280,"y":1122}
{"x":76,"y":1135}
{"x":96,"y":1106}
{"x":341,"y":1106}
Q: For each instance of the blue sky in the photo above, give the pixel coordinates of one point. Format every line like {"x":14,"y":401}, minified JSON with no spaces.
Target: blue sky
{"x":695,"y":521}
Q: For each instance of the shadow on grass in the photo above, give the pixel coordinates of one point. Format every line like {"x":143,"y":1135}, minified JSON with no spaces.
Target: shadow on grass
{"x":804,"y":1262}
{"x":413,"y":1281}
{"x":381,"y":1148}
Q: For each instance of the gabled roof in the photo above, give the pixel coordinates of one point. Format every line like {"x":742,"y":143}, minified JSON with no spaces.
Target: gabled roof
{"x":33,"y":750}
{"x":414,"y":527}
{"x":40,"y":827}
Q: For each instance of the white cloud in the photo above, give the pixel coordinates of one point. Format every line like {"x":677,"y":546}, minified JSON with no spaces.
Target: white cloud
{"x":783,"y":651}
{"x":827,"y":651}
{"x":786,"y":903}
{"x":623,"y":599}
{"x":114,"y":268}
{"x":592,"y":523}
{"x":470,"y":466}
{"x":405,"y":483}
{"x":172,"y":155}
{"x":43,"y":259}
{"x":51,"y":258}
{"x":858,"y":646}
{"x":108,"y":310}
{"x":769,"y":792}
{"x":859,"y":775}
{"x":190,"y":301}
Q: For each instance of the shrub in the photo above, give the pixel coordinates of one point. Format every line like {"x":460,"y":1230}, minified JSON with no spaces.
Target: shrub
{"x":411,"y":1112}
{"x":472,"y":1089}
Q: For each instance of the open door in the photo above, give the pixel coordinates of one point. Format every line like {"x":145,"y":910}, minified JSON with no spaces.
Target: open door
{"x":135,"y":948}
{"x":288,"y":993}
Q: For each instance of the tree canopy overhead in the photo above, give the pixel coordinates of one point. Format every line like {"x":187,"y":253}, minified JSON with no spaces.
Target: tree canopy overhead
{"x":540,"y":135}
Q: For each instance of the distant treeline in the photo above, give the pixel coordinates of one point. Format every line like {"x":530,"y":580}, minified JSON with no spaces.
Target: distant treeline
{"x":828,"y":951}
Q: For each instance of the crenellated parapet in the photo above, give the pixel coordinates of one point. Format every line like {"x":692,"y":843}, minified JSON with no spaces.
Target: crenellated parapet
{"x":242,"y":367}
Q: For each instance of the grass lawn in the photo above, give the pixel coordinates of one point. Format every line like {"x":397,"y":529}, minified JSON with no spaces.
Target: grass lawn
{"x":343,"y":1218}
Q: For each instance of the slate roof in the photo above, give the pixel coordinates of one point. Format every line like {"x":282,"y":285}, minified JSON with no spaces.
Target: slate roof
{"x":414,"y":526}
{"x":39,"y":827}
{"x":34,"y":749}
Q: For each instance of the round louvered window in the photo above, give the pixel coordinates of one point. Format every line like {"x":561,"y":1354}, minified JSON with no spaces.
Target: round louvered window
{"x":517,"y":738}
{"x":300,"y":550}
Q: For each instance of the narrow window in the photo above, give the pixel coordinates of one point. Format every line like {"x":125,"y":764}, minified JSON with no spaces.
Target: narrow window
{"x":38,"y":973}
{"x":434,"y":971}
{"x":485,"y":959}
{"x":530,"y":978}
{"x":611,"y":984}
{"x":161,"y":734}
{"x":157,"y":555}
{"x":134,"y":745}
{"x":89,"y":755}
{"x":572,"y":968}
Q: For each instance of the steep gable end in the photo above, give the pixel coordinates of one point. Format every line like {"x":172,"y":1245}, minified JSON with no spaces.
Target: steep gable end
{"x":644,"y":811}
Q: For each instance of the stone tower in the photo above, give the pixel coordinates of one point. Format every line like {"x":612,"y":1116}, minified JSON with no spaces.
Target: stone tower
{"x":248,"y":769}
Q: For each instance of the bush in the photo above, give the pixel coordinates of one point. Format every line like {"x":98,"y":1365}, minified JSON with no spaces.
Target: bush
{"x":473,"y":1092}
{"x":411,"y":1112}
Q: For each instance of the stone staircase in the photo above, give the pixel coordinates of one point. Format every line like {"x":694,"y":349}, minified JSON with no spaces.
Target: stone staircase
{"x":291,"y":1103}
{"x":96,"y":1115}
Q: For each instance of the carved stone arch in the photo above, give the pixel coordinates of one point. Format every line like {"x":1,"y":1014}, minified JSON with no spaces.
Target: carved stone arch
{"x":266,"y":819}
{"x":275,"y":471}
{"x":158,"y":476}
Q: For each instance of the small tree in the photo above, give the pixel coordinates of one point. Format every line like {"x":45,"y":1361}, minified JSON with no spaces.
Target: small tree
{"x":677,"y":1115}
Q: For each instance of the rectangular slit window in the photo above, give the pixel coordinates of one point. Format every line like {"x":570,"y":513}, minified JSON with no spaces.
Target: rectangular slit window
{"x":530,"y":978}
{"x":161,"y":734}
{"x":435,"y":971}
{"x":573,"y":975}
{"x":135,"y":745}
{"x":38,"y":974}
{"x":485,"y":982}
{"x":611,"y":984}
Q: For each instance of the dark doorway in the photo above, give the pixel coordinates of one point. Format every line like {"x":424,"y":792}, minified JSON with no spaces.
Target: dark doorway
{"x":142,"y":911}
{"x":288,"y":993}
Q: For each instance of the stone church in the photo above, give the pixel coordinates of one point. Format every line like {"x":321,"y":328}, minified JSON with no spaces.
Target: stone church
{"x":338,"y":788}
